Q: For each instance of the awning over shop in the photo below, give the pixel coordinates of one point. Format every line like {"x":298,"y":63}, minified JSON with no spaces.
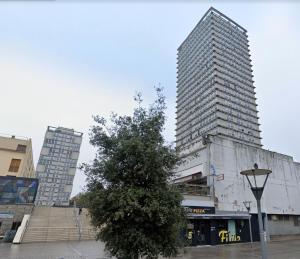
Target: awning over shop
{"x":218,"y":216}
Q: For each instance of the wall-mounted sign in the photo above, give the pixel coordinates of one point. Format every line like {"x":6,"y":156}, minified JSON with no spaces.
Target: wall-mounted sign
{"x":199,"y":210}
{"x":220,"y":177}
{"x":225,"y":237}
{"x":190,"y":235}
{"x":4,"y":215}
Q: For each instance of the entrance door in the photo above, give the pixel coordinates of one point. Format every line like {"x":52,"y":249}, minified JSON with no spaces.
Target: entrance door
{"x":201,"y":232}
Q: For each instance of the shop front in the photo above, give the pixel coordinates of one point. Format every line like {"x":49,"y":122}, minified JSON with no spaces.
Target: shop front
{"x":206,"y":227}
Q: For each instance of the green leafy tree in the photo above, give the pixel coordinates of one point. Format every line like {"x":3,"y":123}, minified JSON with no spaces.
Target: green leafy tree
{"x":80,"y":200}
{"x":137,"y":212}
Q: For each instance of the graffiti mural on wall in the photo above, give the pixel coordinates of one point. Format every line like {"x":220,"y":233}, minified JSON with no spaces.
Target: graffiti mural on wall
{"x":17,"y":190}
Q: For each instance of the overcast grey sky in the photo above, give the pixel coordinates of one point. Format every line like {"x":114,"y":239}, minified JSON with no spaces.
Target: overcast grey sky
{"x":62,"y":62}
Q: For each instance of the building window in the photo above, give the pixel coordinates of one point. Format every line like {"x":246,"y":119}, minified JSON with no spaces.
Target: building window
{"x":296,"y":221}
{"x":14,"y":165}
{"x":21,"y":148}
{"x":274,"y":217}
{"x":280,"y":217}
{"x":286,"y":217}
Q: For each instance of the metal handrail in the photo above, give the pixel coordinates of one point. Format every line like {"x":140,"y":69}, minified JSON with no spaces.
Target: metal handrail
{"x":76,"y":215}
{"x":25,"y":228}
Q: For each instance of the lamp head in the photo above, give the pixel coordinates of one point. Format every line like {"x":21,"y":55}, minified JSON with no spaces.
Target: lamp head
{"x":257,"y":179}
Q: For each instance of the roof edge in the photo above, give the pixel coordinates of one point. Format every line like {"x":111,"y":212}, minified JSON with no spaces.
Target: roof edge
{"x":212,"y":9}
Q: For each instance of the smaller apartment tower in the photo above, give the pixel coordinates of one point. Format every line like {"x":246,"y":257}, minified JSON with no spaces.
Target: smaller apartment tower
{"x":57,"y":166}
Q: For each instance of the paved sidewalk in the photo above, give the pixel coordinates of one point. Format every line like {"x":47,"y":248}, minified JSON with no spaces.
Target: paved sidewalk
{"x":277,"y":250}
{"x":289,"y":249}
{"x":54,"y":250}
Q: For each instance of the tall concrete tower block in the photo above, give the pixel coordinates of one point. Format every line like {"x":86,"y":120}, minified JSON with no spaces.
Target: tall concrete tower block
{"x":215,"y":91}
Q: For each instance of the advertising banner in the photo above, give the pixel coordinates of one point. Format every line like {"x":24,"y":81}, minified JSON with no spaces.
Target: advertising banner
{"x":199,"y":210}
{"x":17,"y":190}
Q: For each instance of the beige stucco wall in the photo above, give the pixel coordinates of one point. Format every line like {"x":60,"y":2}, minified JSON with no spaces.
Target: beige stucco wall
{"x":8,"y":151}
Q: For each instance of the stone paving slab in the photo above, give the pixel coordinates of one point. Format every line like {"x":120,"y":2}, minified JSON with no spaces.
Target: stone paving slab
{"x":288,"y":249}
{"x":277,"y":250}
{"x":54,"y":250}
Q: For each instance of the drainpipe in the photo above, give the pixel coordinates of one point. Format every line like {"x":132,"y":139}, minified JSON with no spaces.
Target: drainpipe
{"x":209,"y":142}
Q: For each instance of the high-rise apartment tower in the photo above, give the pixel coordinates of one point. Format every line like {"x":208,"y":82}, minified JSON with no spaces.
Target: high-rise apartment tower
{"x":57,"y":165}
{"x":215,"y":91}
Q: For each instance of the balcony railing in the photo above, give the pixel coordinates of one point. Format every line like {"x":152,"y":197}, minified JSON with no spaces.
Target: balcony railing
{"x":194,"y":189}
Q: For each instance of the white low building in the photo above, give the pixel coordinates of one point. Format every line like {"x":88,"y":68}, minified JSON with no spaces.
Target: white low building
{"x":215,"y":165}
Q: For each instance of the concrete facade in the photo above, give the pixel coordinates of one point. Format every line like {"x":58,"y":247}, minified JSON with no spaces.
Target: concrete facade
{"x":16,"y":157}
{"x":221,"y":160}
{"x":217,"y":133}
{"x":283,"y":226}
{"x":283,"y":188}
{"x":215,"y":91}
{"x":57,"y":166}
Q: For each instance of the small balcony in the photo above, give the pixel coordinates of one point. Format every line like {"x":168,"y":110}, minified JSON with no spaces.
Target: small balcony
{"x":193,"y":185}
{"x":194,"y":189}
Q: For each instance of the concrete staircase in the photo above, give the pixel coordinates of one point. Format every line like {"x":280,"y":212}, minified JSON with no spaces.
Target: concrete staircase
{"x":88,"y":232}
{"x":51,"y":224}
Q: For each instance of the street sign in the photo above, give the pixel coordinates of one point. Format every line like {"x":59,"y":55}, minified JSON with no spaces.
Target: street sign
{"x":220,"y":177}
{"x":6,"y":215}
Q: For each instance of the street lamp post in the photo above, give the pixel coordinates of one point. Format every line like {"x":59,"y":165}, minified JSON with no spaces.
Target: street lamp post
{"x":259,"y":180}
{"x":247,"y":205}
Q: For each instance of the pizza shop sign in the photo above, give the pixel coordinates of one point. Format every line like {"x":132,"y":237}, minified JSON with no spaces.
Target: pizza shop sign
{"x":199,"y":210}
